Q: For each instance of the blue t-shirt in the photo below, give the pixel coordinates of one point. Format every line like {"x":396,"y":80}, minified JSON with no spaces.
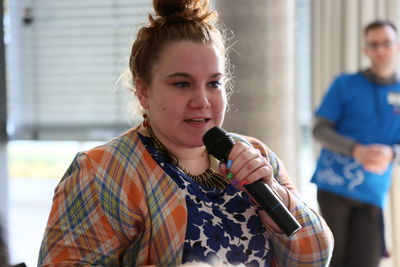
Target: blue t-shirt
{"x":368,"y":113}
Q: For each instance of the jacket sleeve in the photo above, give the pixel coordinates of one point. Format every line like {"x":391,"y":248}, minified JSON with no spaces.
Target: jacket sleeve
{"x":311,"y":246}
{"x":90,"y":222}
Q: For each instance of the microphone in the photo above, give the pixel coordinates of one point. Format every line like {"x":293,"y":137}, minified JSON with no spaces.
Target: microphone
{"x":219,"y":144}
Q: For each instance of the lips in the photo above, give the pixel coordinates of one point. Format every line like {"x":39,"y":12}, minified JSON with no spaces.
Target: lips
{"x":198,"y":120}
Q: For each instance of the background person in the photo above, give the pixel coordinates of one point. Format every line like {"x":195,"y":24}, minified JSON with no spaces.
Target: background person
{"x":153,"y":196}
{"x":358,"y":125}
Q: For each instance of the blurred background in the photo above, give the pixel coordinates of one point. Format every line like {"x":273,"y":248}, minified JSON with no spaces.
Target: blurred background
{"x":60,"y":64}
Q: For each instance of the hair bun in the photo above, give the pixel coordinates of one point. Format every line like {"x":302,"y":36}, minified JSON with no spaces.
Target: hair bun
{"x":181,"y":10}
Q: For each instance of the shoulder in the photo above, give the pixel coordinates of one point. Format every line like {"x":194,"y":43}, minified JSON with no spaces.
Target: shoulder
{"x":339,"y":88}
{"x":111,"y":160}
{"x":121,"y":148}
{"x":112,"y":167}
{"x":350,"y":77}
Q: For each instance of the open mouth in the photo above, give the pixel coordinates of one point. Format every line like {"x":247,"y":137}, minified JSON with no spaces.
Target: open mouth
{"x":198,"y":120}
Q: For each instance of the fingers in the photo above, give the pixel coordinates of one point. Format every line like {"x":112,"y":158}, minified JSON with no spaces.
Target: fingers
{"x":378,"y":168}
{"x":247,"y":165}
{"x":374,"y":157}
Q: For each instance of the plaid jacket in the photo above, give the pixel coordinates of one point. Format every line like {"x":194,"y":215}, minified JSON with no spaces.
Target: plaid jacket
{"x":115,"y":206}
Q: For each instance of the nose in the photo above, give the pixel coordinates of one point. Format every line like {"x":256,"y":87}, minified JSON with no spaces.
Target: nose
{"x":381,"y":49}
{"x":200,"y":98}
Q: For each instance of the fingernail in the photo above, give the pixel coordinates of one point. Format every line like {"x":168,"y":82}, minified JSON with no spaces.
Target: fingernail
{"x":229,"y":163}
{"x":235,"y":182}
{"x":229,"y":175}
{"x":243,"y":182}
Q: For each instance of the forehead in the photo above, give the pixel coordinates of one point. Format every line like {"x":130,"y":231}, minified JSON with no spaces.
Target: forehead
{"x":380,"y":33}
{"x":190,"y":55}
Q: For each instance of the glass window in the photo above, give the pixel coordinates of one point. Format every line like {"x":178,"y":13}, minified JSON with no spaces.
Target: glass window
{"x":303,"y":86}
{"x":35,"y":168}
{"x":63,"y":59}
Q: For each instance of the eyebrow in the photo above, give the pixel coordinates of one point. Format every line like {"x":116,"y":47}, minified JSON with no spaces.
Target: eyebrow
{"x":186,"y":75}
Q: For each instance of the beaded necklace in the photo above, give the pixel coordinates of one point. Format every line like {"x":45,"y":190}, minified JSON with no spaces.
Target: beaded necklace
{"x":209,"y":178}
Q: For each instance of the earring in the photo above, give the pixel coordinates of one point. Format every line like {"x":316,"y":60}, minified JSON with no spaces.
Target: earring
{"x":145,"y":120}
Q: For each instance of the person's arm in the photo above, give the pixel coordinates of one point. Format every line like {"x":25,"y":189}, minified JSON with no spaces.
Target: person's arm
{"x":313,"y":244}
{"x":374,"y":157}
{"x":90,"y":223}
{"x":324,"y":132}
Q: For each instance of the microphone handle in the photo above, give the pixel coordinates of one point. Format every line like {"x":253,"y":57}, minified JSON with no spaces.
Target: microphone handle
{"x":271,"y":203}
{"x":219,"y":144}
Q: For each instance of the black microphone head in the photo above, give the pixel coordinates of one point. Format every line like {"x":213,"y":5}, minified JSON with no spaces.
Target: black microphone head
{"x":218,"y":143}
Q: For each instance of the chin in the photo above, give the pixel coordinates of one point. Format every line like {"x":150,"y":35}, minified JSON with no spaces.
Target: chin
{"x":195,"y":144}
{"x":198,"y":145}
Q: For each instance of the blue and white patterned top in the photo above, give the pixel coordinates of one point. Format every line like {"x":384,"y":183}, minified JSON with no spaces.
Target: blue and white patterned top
{"x":223,"y":225}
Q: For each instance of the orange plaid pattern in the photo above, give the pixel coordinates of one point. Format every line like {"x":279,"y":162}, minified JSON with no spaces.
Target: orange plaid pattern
{"x":115,"y":206}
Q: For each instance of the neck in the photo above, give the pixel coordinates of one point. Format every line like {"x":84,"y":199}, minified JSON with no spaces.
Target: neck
{"x":383,"y":72}
{"x":194,"y":160}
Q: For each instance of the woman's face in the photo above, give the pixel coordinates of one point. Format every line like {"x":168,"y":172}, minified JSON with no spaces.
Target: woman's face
{"x":187,"y":93}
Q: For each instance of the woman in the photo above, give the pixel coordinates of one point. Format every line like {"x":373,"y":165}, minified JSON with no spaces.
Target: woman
{"x":154,"y":196}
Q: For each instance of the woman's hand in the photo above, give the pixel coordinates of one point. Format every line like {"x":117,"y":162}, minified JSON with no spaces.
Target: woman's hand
{"x":246,"y":165}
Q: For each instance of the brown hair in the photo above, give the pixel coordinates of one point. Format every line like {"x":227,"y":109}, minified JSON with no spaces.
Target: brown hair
{"x":380,"y":23}
{"x":174,"y":20}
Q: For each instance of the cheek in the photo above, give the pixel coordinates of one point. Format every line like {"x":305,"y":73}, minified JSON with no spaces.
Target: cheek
{"x":393,"y":52}
{"x":167,"y":108}
{"x":160,"y":102}
{"x":223,"y":102}
{"x":220,"y":105}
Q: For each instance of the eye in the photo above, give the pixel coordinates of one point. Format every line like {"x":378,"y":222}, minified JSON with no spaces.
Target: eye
{"x":387,"y":44}
{"x":215,"y":84}
{"x":182,"y":84}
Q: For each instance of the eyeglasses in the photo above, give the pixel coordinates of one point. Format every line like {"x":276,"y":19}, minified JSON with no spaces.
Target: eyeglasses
{"x":376,"y":45}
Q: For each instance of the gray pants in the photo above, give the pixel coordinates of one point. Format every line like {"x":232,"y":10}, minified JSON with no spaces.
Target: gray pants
{"x":357,"y":229}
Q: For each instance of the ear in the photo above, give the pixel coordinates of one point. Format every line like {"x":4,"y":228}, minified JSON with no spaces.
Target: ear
{"x":142,"y":93}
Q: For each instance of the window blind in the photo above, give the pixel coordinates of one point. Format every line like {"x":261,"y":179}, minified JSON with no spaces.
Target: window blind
{"x":63,"y":59}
